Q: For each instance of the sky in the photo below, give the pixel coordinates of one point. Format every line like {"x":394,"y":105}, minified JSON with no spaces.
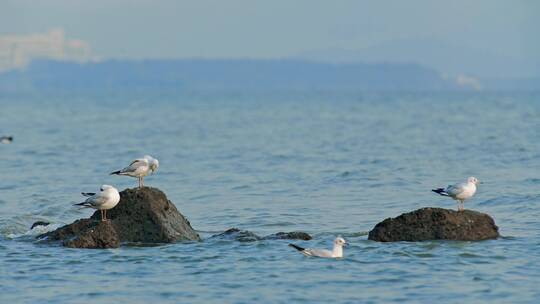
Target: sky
{"x":505,"y":30}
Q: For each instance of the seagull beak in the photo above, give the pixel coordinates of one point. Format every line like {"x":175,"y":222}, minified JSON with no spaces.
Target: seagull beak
{"x":346,"y":244}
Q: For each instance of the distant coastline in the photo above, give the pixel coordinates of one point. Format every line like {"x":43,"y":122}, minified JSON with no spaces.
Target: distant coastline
{"x":244,"y":74}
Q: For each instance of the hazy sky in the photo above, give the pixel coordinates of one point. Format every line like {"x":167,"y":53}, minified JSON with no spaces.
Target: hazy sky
{"x":276,"y":28}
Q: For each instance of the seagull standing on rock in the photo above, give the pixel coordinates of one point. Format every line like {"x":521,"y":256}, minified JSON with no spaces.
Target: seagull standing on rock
{"x":460,"y":192}
{"x":107,"y":198}
{"x":140,"y":168}
{"x":337,"y":252}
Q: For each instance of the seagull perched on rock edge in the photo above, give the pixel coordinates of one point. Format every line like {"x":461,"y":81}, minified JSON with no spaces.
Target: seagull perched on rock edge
{"x":107,"y":198}
{"x":140,"y":168}
{"x":460,"y":192}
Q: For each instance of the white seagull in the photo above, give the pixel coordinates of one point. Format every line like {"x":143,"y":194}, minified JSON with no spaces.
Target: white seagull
{"x":460,"y":192}
{"x":337,"y":252}
{"x":107,"y":198}
{"x":140,"y":168}
{"x":6,"y":139}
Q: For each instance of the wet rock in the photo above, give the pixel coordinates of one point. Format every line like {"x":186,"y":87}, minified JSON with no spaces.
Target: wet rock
{"x":248,"y":236}
{"x":39,"y":223}
{"x":295,"y":235}
{"x":89,"y":233}
{"x":238,"y":235}
{"x":142,"y":216}
{"x":436,"y":224}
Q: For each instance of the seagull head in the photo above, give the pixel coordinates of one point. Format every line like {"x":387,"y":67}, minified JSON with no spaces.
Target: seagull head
{"x":473,"y":180}
{"x":154,"y":163}
{"x":339,"y":241}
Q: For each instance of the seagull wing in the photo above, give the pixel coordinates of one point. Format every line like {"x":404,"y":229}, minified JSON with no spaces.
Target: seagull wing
{"x":96,"y":200}
{"x":322,"y":253}
{"x":456,"y":189}
{"x":136,"y":164}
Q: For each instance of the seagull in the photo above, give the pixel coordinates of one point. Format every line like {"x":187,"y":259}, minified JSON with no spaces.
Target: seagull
{"x":140,"y":168}
{"x":460,"y":192}
{"x":6,"y":139}
{"x":107,"y":198}
{"x":337,"y":252}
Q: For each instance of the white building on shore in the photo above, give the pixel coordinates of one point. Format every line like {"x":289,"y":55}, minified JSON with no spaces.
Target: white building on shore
{"x":17,"y":51}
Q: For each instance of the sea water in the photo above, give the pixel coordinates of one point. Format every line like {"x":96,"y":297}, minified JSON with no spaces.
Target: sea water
{"x":327,"y":163}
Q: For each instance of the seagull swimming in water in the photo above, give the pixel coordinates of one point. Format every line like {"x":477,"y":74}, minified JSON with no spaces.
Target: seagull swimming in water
{"x":140,"y":168}
{"x":337,"y":252}
{"x":6,"y":139}
{"x":107,"y":198}
{"x":460,"y":192}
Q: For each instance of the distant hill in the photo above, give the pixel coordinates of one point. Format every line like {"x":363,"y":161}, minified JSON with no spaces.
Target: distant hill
{"x":444,"y":57}
{"x":224,"y":74}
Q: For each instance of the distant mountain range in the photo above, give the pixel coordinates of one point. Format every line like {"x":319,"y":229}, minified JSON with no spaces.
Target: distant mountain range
{"x":232,"y":74}
{"x":444,"y":57}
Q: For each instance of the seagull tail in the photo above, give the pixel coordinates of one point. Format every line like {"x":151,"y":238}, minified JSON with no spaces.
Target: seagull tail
{"x":297,"y":247}
{"x":440,"y":191}
{"x":115,"y":172}
{"x":87,"y":193}
{"x":83,"y":204}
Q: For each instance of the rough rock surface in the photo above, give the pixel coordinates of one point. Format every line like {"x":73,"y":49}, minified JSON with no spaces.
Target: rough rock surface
{"x":295,"y":235}
{"x":248,"y":236}
{"x":142,"y":216}
{"x":436,"y":224}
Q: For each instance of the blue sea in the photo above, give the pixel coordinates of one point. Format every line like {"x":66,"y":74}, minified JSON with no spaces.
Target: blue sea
{"x":328,"y":163}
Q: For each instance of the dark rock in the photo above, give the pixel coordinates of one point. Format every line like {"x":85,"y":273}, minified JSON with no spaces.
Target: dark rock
{"x":238,"y":235}
{"x":295,"y":235}
{"x":89,"y":233}
{"x":39,"y":223}
{"x":142,"y":216}
{"x":436,"y":224}
{"x":248,"y":236}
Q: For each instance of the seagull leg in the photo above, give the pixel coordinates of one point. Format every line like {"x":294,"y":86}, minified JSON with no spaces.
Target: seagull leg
{"x":139,"y":181}
{"x":142,"y":181}
{"x":101,"y":215}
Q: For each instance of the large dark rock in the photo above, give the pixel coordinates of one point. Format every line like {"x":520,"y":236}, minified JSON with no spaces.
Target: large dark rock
{"x":248,"y":236}
{"x":435,"y":224}
{"x":142,"y":216}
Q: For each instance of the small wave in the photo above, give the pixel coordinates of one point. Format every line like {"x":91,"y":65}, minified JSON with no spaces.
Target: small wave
{"x":533,"y":181}
{"x":278,"y":224}
{"x":345,"y":174}
{"x":356,"y":234}
{"x":424,"y":255}
{"x":33,"y":232}
{"x":241,"y":187}
{"x":469,"y":255}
